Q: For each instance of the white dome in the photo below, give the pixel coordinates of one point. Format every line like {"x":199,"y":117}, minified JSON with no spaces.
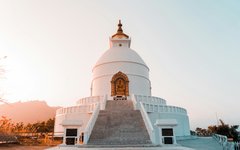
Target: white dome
{"x":120,"y":54}
{"x":120,"y":60}
{"x":125,"y":60}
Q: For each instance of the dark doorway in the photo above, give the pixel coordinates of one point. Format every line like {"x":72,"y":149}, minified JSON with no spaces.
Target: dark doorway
{"x":71,"y":135}
{"x":167,"y":134}
{"x":71,"y":132}
{"x":168,"y":140}
{"x":70,"y":141}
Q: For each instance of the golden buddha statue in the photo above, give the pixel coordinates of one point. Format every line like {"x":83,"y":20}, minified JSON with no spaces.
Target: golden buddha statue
{"x":120,"y":87}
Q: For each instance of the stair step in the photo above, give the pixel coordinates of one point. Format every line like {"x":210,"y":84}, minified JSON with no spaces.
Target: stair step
{"x":119,"y":124}
{"x":119,"y":105}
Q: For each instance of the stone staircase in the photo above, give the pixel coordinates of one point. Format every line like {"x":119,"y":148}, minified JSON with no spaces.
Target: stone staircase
{"x":119,"y":124}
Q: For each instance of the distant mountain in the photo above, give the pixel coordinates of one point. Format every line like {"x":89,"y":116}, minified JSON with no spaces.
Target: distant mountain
{"x":28,"y":112}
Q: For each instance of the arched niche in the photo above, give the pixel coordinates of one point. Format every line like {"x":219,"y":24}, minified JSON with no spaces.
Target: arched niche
{"x":120,"y":85}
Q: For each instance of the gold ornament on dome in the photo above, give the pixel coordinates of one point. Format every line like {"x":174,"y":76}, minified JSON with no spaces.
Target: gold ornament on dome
{"x":120,"y":85}
{"x":120,"y":34}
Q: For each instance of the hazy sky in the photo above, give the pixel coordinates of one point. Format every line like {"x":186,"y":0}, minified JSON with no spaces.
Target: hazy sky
{"x":191,"y":47}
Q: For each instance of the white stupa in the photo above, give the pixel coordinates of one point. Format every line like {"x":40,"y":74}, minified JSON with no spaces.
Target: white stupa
{"x":120,"y":89}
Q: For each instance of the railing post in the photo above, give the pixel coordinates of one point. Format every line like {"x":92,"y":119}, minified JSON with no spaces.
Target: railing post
{"x":148,"y":123}
{"x":91,"y":123}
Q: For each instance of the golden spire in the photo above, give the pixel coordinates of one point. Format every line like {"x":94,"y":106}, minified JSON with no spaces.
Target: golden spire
{"x":120,"y":33}
{"x":119,"y":27}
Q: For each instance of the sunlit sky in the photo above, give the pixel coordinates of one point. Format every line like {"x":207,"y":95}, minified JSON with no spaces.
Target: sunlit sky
{"x":191,"y":47}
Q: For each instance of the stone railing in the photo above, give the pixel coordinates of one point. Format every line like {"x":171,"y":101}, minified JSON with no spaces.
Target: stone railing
{"x":154,"y":104}
{"x":89,"y":100}
{"x":150,"y":100}
{"x":77,"y":109}
{"x":146,"y":119}
{"x":148,"y":123}
{"x":135,"y":103}
{"x":164,"y":109}
{"x":93,"y":99}
{"x":91,"y":123}
{"x":104,"y":102}
{"x":223,"y":141}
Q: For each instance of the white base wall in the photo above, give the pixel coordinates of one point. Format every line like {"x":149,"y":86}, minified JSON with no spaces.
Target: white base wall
{"x":82,"y":117}
{"x":181,"y":130}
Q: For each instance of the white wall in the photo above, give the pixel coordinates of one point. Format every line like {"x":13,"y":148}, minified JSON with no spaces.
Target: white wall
{"x":182,"y":129}
{"x":58,"y":128}
{"x":138,"y":76}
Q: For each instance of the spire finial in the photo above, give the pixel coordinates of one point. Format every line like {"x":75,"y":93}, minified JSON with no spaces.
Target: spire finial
{"x":120,"y":33}
{"x":120,"y":27}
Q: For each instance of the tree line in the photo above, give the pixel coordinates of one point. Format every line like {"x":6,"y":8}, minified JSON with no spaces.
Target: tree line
{"x":222,"y":129}
{"x":7,"y":126}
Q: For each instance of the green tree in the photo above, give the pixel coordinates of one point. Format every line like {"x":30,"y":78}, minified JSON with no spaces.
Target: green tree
{"x":50,"y":124}
{"x":212,"y":129}
{"x":19,"y":127}
{"x":5,"y":125}
{"x":223,"y":129}
{"x":42,"y":127}
{"x":234,"y":133}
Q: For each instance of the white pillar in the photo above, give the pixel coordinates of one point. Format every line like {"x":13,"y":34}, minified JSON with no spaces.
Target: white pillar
{"x":174,"y":137}
{"x":78,"y":135}
{"x":160,"y":136}
{"x":64,"y":137}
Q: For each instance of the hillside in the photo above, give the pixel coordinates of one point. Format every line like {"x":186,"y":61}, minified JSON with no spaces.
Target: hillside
{"x":28,"y":112}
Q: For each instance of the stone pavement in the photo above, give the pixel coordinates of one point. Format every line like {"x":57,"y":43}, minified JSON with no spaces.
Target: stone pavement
{"x":200,"y":143}
{"x":125,"y":148}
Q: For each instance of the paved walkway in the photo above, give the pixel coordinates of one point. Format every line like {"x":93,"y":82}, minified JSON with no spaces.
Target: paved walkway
{"x":20,"y":147}
{"x":201,"y":143}
{"x":125,"y":148}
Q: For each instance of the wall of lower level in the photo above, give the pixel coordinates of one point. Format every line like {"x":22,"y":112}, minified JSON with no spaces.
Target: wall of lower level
{"x":82,"y":117}
{"x":182,"y":129}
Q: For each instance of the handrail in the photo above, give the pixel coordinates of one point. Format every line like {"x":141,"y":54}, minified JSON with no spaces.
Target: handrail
{"x":151,"y":106}
{"x":103,"y":105}
{"x":76,"y":109}
{"x":150,"y":99}
{"x":223,"y":141}
{"x":91,"y":123}
{"x":147,"y":123}
{"x":93,"y":100}
{"x":134,"y":102}
{"x":89,"y":100}
{"x":164,"y":108}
